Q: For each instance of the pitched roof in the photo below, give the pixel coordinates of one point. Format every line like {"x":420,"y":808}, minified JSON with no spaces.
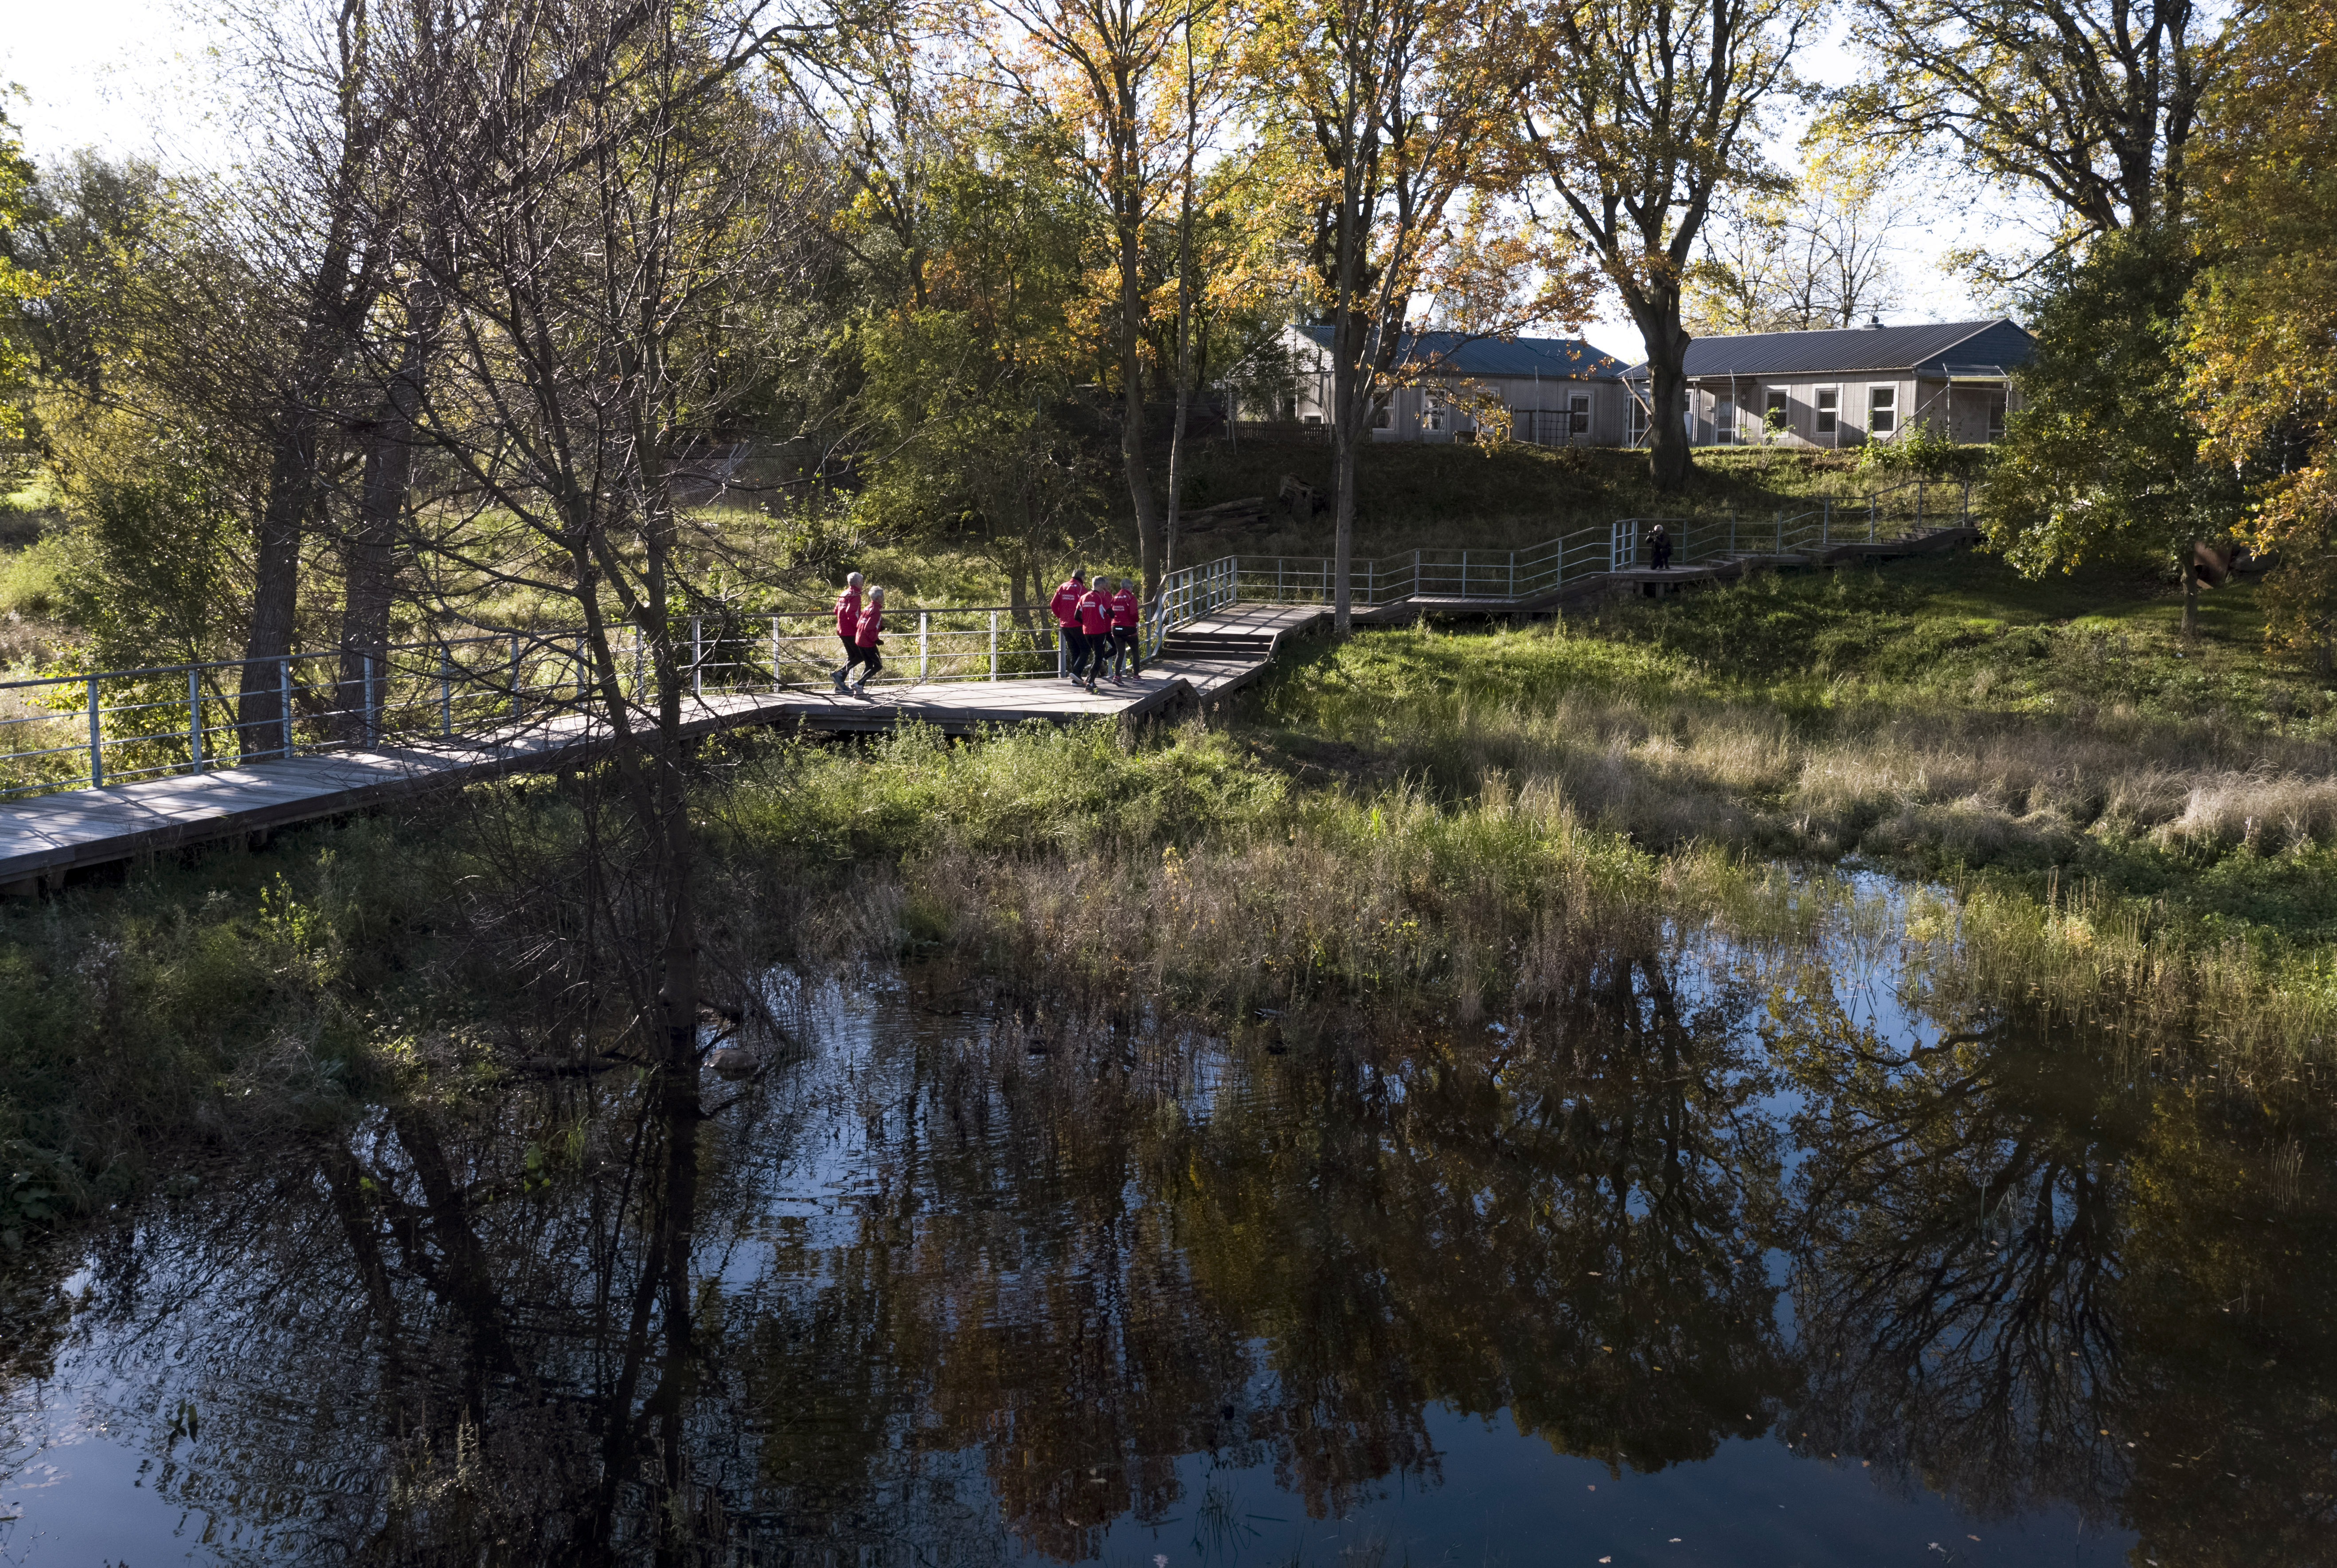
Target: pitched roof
{"x":1454,"y":354}
{"x":1932,"y":348}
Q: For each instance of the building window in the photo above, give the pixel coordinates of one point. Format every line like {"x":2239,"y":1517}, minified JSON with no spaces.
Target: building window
{"x":1829,"y":409}
{"x":1778,"y":418}
{"x":1577,"y":414}
{"x":1435,"y":418}
{"x":1882,"y":410}
{"x":1723,"y":421}
{"x":1638,"y":421}
{"x":1996,"y":415}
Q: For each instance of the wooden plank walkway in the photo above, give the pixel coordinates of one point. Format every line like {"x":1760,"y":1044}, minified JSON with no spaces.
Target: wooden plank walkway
{"x":49,"y":836}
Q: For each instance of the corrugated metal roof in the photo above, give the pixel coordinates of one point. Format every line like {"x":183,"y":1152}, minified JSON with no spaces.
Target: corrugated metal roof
{"x":1551,"y":358}
{"x":1923,"y":349}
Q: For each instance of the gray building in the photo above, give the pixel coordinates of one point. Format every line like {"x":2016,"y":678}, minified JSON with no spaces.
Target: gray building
{"x":1551,"y":391}
{"x":1842,"y":387}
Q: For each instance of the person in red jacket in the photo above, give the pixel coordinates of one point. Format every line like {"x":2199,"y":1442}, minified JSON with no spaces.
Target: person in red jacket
{"x":1124,"y":641}
{"x":867,"y":637}
{"x":1066,"y":607}
{"x":1095,"y":630}
{"x":847,"y":625}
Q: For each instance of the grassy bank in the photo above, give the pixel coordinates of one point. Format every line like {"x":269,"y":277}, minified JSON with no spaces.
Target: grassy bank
{"x":1443,"y":824}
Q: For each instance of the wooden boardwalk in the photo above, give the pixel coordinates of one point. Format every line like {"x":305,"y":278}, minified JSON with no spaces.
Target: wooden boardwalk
{"x":47,"y":837}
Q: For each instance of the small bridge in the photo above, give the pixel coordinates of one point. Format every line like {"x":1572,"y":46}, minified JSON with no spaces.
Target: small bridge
{"x":109,"y":766}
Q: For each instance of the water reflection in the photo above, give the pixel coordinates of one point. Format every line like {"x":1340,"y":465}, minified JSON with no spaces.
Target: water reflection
{"x":946,"y":1286}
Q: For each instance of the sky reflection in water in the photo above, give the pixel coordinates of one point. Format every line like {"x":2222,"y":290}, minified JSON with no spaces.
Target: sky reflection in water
{"x":1728,"y":1258}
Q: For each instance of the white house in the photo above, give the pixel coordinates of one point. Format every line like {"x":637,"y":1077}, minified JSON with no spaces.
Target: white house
{"x":1553,"y":391}
{"x":1841,"y":387}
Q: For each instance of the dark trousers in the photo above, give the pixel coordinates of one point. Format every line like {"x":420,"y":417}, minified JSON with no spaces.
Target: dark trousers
{"x":1659,"y":552}
{"x":1123,"y":651}
{"x":1078,"y":648}
{"x":864,"y":656}
{"x":846,"y":668}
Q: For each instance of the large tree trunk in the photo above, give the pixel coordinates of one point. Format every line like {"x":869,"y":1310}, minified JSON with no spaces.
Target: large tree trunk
{"x":264,"y":725}
{"x":368,"y":556}
{"x":1670,"y":458}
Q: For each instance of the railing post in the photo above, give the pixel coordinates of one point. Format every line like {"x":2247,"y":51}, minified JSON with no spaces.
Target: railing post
{"x":96,"y":745}
{"x":697,"y":656}
{"x":195,"y":717}
{"x":1513,"y":574}
{"x":1732,"y":530}
{"x":369,"y":736}
{"x":1825,"y":521}
{"x":1464,"y":573}
{"x":923,"y":618}
{"x":1278,"y":565}
{"x":446,"y":692}
{"x":1870,"y":512}
{"x":994,"y":644}
{"x":284,"y":703}
{"x":1415,"y":573}
{"x":639,"y":643}
{"x":775,"y":653}
{"x":515,"y":709}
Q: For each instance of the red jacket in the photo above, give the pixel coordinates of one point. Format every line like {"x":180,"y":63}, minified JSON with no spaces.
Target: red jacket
{"x":847,"y":612}
{"x":1095,"y":613}
{"x":872,"y":621}
{"x":1123,"y":608}
{"x":1066,"y":603}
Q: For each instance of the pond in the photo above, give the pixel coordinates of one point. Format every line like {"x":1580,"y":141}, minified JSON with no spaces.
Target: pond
{"x":1730,"y":1257}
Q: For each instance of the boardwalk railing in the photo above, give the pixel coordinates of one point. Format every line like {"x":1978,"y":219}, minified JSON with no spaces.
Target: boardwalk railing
{"x":1515,"y":576}
{"x":92,"y":728}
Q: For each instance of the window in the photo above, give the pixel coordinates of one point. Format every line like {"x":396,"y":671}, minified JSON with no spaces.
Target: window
{"x":1996,"y":415}
{"x":1882,"y":410}
{"x":1383,"y":416}
{"x":1723,"y":421}
{"x":1778,"y":417}
{"x":1435,"y":416}
{"x":1577,"y":414}
{"x":1639,"y":422}
{"x":1829,"y":409}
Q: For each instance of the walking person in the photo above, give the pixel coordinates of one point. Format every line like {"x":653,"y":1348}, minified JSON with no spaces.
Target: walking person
{"x":866,"y":638}
{"x":1066,"y":609}
{"x":1095,"y":630}
{"x":1126,"y":646}
{"x":1659,"y":548}
{"x":847,"y":625}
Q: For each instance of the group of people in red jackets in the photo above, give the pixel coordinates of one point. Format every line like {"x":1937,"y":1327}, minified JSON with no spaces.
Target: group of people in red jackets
{"x":1099,"y":629}
{"x":860,"y":624}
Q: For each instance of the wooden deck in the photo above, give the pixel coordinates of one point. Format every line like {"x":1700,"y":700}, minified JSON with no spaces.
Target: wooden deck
{"x":50,"y":836}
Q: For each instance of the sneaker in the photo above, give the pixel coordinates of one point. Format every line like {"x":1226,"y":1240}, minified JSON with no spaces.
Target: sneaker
{"x":840,"y":689}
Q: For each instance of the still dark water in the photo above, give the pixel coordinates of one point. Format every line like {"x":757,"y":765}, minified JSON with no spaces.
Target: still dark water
{"x":1726,"y":1259}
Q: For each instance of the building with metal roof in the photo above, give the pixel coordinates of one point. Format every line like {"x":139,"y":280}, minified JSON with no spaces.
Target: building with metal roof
{"x":1844,"y":386}
{"x":1551,"y":391}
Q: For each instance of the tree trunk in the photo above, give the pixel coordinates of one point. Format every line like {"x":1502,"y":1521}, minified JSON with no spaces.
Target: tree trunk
{"x":2190,"y":589}
{"x":1131,"y":431}
{"x":263,"y":725}
{"x":366,"y":559}
{"x":1670,"y":458}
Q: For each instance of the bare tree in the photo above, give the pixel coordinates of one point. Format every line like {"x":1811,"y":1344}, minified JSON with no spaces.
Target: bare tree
{"x":615,"y":206}
{"x":1818,"y":255}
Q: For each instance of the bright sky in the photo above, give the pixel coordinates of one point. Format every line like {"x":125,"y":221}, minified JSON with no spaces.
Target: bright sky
{"x":140,"y":77}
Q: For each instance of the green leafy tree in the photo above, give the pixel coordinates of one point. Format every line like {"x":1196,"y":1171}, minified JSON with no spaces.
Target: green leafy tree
{"x":2103,"y":462}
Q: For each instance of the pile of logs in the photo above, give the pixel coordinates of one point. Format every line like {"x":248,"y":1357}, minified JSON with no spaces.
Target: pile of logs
{"x":1249,"y":511}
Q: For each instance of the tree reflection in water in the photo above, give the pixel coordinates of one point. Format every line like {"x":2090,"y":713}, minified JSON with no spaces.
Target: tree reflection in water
{"x":923,"y":1294}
